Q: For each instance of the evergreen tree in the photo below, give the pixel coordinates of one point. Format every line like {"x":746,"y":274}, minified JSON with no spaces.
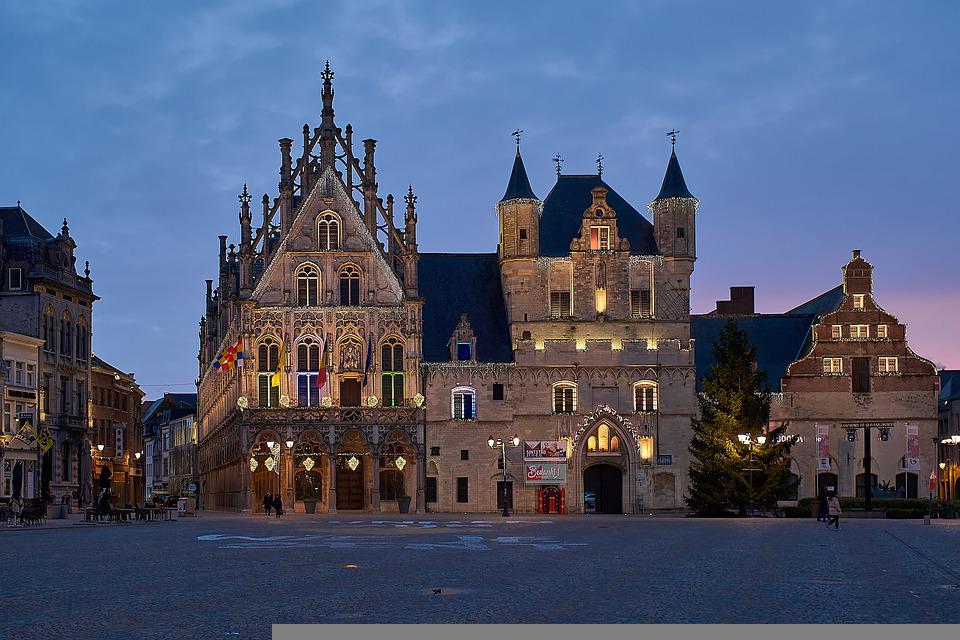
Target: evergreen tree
{"x":736,"y":400}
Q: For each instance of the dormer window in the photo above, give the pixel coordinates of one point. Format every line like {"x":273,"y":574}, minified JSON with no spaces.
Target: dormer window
{"x":600,"y":238}
{"x":858,"y":301}
{"x":328,"y":232}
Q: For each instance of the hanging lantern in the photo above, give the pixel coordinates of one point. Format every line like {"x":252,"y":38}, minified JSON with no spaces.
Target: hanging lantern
{"x":401,"y":462}
{"x":646,"y":448}
{"x":269,"y":463}
{"x":253,"y":464}
{"x":353,"y":463}
{"x":308,"y":464}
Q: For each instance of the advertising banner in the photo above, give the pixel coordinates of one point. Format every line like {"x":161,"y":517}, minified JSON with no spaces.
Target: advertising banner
{"x":912,"y":460}
{"x":823,"y":447}
{"x":545,"y":450}
{"x":546,"y":473}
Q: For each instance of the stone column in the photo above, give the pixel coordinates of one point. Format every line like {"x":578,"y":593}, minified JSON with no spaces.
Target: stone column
{"x":332,"y":466}
{"x":244,"y":469}
{"x":375,"y":493}
{"x":421,"y":477}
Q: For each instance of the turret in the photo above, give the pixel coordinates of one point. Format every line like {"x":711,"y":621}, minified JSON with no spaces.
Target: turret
{"x":370,"y":186}
{"x":519,"y":211}
{"x":286,"y":185}
{"x":328,"y":140}
{"x":246,"y":244}
{"x":674,"y":214}
{"x":411,"y":255}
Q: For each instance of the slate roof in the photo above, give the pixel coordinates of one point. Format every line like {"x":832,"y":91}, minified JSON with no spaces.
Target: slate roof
{"x":519,"y":184}
{"x":778,"y":339}
{"x":563,"y":216}
{"x":455,"y":283}
{"x":674,"y":186}
{"x":949,"y":384}
{"x":97,"y":361}
{"x":823,"y":304}
{"x":18,"y":223}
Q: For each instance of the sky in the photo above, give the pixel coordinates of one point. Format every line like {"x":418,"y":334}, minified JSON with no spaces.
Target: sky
{"x":807,"y":130}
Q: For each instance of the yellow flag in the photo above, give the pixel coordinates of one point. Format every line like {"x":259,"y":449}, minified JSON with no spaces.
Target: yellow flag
{"x":275,"y":378}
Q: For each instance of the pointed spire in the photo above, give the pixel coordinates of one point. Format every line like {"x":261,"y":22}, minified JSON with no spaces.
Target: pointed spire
{"x":519,"y":185}
{"x":673,"y":185}
{"x":327,"y":133}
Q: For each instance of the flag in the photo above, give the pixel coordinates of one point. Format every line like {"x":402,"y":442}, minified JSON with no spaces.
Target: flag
{"x":366,"y":366}
{"x":25,"y":434}
{"x":275,"y":378}
{"x":45,"y":439}
{"x":322,"y":376}
{"x":232,"y":357}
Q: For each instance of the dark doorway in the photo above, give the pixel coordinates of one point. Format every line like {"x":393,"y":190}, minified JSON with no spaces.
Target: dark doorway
{"x":550,"y":500}
{"x":430,"y":489}
{"x":350,"y":393}
{"x":505,"y":496}
{"x":349,"y":484}
{"x":605,"y":482}
{"x":908,"y":485}
{"x":826,"y":483}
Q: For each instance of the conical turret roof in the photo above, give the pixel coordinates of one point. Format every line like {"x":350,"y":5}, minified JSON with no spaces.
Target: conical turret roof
{"x":519,"y":185}
{"x":673,"y":185}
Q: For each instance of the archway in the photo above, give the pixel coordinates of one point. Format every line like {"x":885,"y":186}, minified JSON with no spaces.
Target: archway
{"x":397,"y":472}
{"x":310,"y":468}
{"x":603,"y":487}
{"x":262,"y":463}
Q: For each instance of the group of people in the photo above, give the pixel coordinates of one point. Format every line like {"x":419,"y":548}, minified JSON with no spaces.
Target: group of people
{"x":273,"y":502}
{"x":829,"y":511}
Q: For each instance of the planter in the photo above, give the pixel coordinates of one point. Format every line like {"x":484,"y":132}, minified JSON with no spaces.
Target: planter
{"x":310,"y":506}
{"x":403,"y":502}
{"x":56,"y":511}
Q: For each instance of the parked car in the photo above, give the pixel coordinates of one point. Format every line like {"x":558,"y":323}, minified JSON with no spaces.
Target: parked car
{"x":589,"y":502}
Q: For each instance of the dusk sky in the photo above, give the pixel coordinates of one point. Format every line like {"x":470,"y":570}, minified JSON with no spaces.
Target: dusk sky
{"x":806,"y":130}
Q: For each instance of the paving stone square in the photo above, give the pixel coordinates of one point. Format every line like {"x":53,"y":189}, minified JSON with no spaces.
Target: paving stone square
{"x":232,"y":576}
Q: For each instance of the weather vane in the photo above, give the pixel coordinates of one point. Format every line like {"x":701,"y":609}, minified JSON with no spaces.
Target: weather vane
{"x":516,"y":134}
{"x":672,"y":134}
{"x":559,"y":162}
{"x":599,"y":164}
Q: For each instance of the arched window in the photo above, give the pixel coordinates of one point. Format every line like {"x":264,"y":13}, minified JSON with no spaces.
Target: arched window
{"x":603,"y":437}
{"x":463,"y":403}
{"x":645,"y":396}
{"x":308,"y":286}
{"x":349,"y":286}
{"x":391,"y":367}
{"x":603,"y":441}
{"x":309,"y":352}
{"x":66,"y":331}
{"x":615,"y":443}
{"x":81,"y":329}
{"x":592,"y":443}
{"x":268,"y":364}
{"x":565,"y":397}
{"x":328,"y":232}
{"x":49,"y":331}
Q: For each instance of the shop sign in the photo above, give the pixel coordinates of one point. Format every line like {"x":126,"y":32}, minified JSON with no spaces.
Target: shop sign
{"x":546,"y":473}
{"x":545,"y":450}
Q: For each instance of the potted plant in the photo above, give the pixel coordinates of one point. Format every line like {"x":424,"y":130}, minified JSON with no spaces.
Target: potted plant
{"x":403,"y":500}
{"x":310,"y":505}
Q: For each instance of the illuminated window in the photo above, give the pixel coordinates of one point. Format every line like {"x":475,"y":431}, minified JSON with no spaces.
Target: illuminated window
{"x":308,"y":376}
{"x":328,"y":232}
{"x":887,"y":364}
{"x":308,"y":286}
{"x":858,"y":301}
{"x":859,"y":331}
{"x":600,"y":238}
{"x":836,"y":332}
{"x":603,"y":441}
{"x":560,"y":303}
{"x":601,"y":300}
{"x":349,"y":286}
{"x":881,"y":331}
{"x":564,"y":397}
{"x":603,"y":437}
{"x":268,"y":361}
{"x":391,"y":366}
{"x":833,"y":365}
{"x":615,"y":443}
{"x":645,"y":396}
{"x":463,"y":403}
{"x":592,"y":443}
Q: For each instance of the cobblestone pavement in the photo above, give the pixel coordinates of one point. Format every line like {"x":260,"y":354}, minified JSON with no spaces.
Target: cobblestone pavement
{"x":232,"y":576}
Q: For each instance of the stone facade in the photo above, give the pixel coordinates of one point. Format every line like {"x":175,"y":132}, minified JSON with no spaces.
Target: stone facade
{"x":115,"y":406}
{"x":43,"y":296}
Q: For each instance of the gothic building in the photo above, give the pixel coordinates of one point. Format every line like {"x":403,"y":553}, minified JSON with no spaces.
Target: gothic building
{"x":374,"y":375}
{"x":43,"y":297}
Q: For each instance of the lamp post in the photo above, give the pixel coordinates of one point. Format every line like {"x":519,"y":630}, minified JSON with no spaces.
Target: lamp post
{"x":493,"y":443}
{"x":751,"y":442}
{"x":270,"y":444}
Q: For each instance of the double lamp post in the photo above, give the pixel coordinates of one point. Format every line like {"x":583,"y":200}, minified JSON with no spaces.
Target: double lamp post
{"x":495,"y":443}
{"x":751,"y":442}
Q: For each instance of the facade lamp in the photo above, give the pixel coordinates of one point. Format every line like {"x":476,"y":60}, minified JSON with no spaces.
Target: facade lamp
{"x":100,"y":448}
{"x":289,"y":444}
{"x":761,"y":439}
{"x":270,"y":444}
{"x":516,"y":440}
{"x":137,"y":455}
{"x":491,"y":442}
{"x":943,"y":465}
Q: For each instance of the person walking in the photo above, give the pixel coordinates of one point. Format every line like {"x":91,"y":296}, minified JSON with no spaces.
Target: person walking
{"x":824,"y":511}
{"x":267,"y":504}
{"x":278,"y":505}
{"x":833,"y":509}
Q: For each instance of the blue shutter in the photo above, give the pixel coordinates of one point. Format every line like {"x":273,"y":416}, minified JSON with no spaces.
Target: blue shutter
{"x":467,"y":406}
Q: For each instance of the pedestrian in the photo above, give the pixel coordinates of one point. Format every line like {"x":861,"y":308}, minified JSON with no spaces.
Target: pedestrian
{"x":833,"y":508}
{"x":824,"y":510}
{"x":278,"y":505}
{"x":16,"y":507}
{"x":267,"y":504}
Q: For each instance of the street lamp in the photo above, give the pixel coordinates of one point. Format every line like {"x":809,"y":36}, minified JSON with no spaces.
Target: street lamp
{"x":493,"y":443}
{"x":748,"y":440}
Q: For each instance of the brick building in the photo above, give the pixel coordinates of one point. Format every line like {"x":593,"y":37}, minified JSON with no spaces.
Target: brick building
{"x":115,"y":406}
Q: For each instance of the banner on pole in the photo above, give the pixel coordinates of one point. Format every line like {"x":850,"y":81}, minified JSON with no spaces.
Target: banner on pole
{"x":823,"y":447}
{"x":912,"y":460}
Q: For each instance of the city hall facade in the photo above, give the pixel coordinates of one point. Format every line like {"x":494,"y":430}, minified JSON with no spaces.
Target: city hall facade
{"x":556,"y":374}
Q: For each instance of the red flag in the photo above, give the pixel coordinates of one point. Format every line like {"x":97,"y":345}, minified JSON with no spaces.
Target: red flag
{"x":322,"y":377}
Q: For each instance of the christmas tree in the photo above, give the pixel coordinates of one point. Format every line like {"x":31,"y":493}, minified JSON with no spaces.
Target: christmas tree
{"x":735,"y":401}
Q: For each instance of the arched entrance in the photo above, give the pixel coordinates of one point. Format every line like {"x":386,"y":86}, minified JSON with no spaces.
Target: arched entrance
{"x":263,"y":466}
{"x":351,"y":470}
{"x":550,"y":499}
{"x":603,"y":486}
{"x":310,"y":466}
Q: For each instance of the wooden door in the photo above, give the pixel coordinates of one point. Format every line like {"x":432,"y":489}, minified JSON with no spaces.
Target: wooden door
{"x":350,"y":487}
{"x":350,"y":393}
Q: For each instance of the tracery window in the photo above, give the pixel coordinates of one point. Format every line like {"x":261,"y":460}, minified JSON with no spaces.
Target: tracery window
{"x":328,"y":232}
{"x":309,"y":352}
{"x":308,"y":286}
{"x":463,"y":403}
{"x":268,"y":373}
{"x":349,"y":285}
{"x":565,"y":397}
{"x":392,"y":376}
{"x":645,"y":396}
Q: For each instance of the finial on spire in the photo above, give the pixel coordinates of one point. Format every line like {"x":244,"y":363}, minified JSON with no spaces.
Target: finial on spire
{"x":327,"y":74}
{"x":516,"y":134}
{"x":86,"y":269}
{"x":672,"y":134}
{"x":245,"y":196}
{"x":599,"y":164}
{"x":410,"y":199}
{"x":65,"y":229}
{"x":559,"y":161}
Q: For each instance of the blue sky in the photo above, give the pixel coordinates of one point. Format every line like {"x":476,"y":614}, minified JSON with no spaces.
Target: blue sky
{"x":806,"y":130}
